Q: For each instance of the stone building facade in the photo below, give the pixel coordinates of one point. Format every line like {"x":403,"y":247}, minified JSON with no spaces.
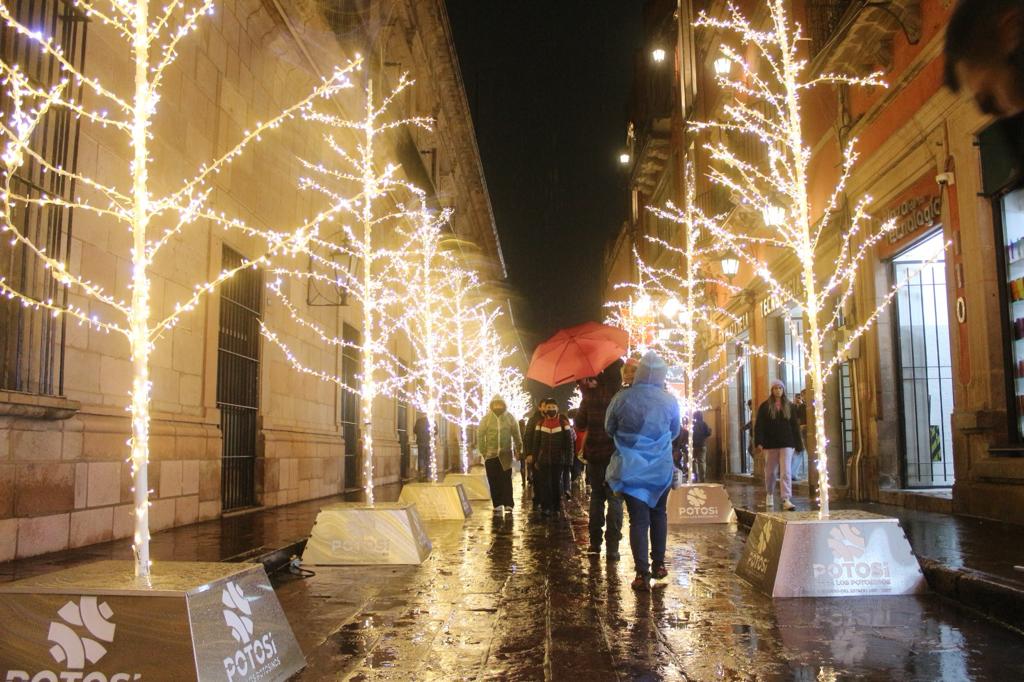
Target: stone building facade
{"x":924,"y":411}
{"x":64,"y":479}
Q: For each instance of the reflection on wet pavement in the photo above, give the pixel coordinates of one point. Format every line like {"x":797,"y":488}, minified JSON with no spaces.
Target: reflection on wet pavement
{"x":514,"y":599}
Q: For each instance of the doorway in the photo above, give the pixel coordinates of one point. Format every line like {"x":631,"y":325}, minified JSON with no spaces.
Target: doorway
{"x":925,"y":367}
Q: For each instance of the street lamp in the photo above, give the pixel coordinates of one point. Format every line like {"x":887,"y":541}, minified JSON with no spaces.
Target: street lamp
{"x":730,"y":266}
{"x":658,"y":55}
{"x":624,"y":158}
{"x":670,"y":308}
{"x":773,"y":215}
{"x":723,"y":65}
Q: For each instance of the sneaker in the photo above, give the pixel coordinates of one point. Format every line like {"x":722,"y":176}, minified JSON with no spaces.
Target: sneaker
{"x":506,"y":510}
{"x":641,"y":583}
{"x":659,"y":572}
{"x":499,"y":509}
{"x":788,"y":506}
{"x":769,"y":502}
{"x":613,"y":555}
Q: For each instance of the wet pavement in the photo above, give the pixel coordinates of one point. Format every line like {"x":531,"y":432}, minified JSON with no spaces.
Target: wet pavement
{"x":516,"y":599}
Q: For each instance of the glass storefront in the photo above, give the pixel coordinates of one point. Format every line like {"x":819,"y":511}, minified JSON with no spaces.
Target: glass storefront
{"x":1012,"y":210}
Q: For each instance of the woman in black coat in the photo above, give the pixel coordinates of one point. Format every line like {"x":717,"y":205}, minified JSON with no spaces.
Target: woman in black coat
{"x":777,"y":434}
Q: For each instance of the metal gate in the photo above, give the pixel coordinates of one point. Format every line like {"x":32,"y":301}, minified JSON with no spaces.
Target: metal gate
{"x":926,"y":368}
{"x":238,"y":366}
{"x":31,"y":339}
{"x":350,"y":360}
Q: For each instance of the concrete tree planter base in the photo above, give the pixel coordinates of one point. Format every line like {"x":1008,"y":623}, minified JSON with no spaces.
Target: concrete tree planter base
{"x":187,"y":621}
{"x":354,"y":534}
{"x":475,"y":485}
{"x":437,"y":501}
{"x":850,"y":554}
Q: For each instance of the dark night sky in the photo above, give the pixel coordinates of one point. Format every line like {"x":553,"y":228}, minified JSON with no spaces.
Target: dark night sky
{"x":548,"y":81}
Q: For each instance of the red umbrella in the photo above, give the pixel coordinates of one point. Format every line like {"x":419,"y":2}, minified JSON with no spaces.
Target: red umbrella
{"x":577,"y":353}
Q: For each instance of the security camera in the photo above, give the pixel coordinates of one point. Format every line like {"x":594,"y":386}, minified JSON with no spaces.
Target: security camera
{"x":947,"y":179}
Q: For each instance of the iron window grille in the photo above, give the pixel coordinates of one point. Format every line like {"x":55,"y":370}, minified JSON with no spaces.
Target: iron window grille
{"x":32,"y":341}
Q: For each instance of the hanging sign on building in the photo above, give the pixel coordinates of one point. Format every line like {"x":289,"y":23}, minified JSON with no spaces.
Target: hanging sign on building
{"x":915,"y":211}
{"x":774,"y":300}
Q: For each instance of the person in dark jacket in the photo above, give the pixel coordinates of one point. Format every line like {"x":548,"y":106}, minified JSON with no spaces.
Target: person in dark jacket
{"x":421,"y":429}
{"x":605,"y":507}
{"x":777,"y":433}
{"x":701,"y":433}
{"x":550,"y":454}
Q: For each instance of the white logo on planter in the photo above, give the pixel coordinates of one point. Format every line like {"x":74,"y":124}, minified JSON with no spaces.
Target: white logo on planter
{"x":846,"y":543}
{"x":756,"y":559}
{"x":256,"y":656}
{"x":696,"y":504}
{"x":73,"y":649}
{"x":696,"y":496}
{"x":237,"y":613}
{"x":847,"y":571}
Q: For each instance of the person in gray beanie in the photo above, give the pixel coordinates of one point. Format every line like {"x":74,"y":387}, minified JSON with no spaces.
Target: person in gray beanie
{"x":777,"y":434}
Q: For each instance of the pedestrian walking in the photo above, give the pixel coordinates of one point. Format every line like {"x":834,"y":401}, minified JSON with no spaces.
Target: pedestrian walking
{"x":499,"y":439}
{"x":777,"y":434}
{"x":550,"y":455}
{"x":605,"y":524}
{"x":421,"y":429}
{"x":527,"y":472}
{"x":701,"y":433}
{"x":643,"y":420}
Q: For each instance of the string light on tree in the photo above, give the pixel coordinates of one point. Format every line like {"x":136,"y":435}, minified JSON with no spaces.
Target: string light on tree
{"x":766,"y":105}
{"x":373,"y":195}
{"x":153,"y":221}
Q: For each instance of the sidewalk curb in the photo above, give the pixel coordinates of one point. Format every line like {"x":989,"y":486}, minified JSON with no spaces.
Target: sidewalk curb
{"x":975,"y":590}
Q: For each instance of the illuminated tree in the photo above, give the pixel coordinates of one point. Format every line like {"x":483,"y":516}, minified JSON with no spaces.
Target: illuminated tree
{"x":152,"y":220}
{"x":370,"y":193}
{"x":426,"y":274}
{"x":766,"y":105}
{"x":471,"y":317}
{"x":674,"y":310}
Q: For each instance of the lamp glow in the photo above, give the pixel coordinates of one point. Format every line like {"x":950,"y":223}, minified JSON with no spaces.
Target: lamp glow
{"x":722,"y":66}
{"x":658,"y":55}
{"x":624,"y":158}
{"x":730,"y":266}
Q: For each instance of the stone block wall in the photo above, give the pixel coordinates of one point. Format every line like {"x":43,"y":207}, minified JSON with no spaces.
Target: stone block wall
{"x":65,"y":482}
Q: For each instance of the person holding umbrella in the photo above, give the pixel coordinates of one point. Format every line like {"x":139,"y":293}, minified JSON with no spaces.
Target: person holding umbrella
{"x":643,"y":420}
{"x":498,"y":437}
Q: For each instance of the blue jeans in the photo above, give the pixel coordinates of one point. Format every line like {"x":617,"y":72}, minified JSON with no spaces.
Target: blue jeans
{"x":641,"y":520}
{"x":601,"y":494}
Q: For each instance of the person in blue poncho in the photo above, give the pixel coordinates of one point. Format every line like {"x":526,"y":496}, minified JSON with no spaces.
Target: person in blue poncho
{"x":643,"y":420}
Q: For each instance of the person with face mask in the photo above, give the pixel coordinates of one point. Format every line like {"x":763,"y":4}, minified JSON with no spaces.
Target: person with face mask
{"x":550,"y":452}
{"x":643,"y":420}
{"x":498,"y":439}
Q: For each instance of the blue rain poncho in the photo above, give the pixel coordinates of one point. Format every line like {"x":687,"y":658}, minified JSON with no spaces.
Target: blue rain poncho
{"x":643,"y":420}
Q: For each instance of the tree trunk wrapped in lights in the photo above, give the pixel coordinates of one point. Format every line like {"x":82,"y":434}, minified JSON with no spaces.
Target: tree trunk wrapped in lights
{"x":153,"y":221}
{"x":766,"y":105}
{"x":372,"y":194}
